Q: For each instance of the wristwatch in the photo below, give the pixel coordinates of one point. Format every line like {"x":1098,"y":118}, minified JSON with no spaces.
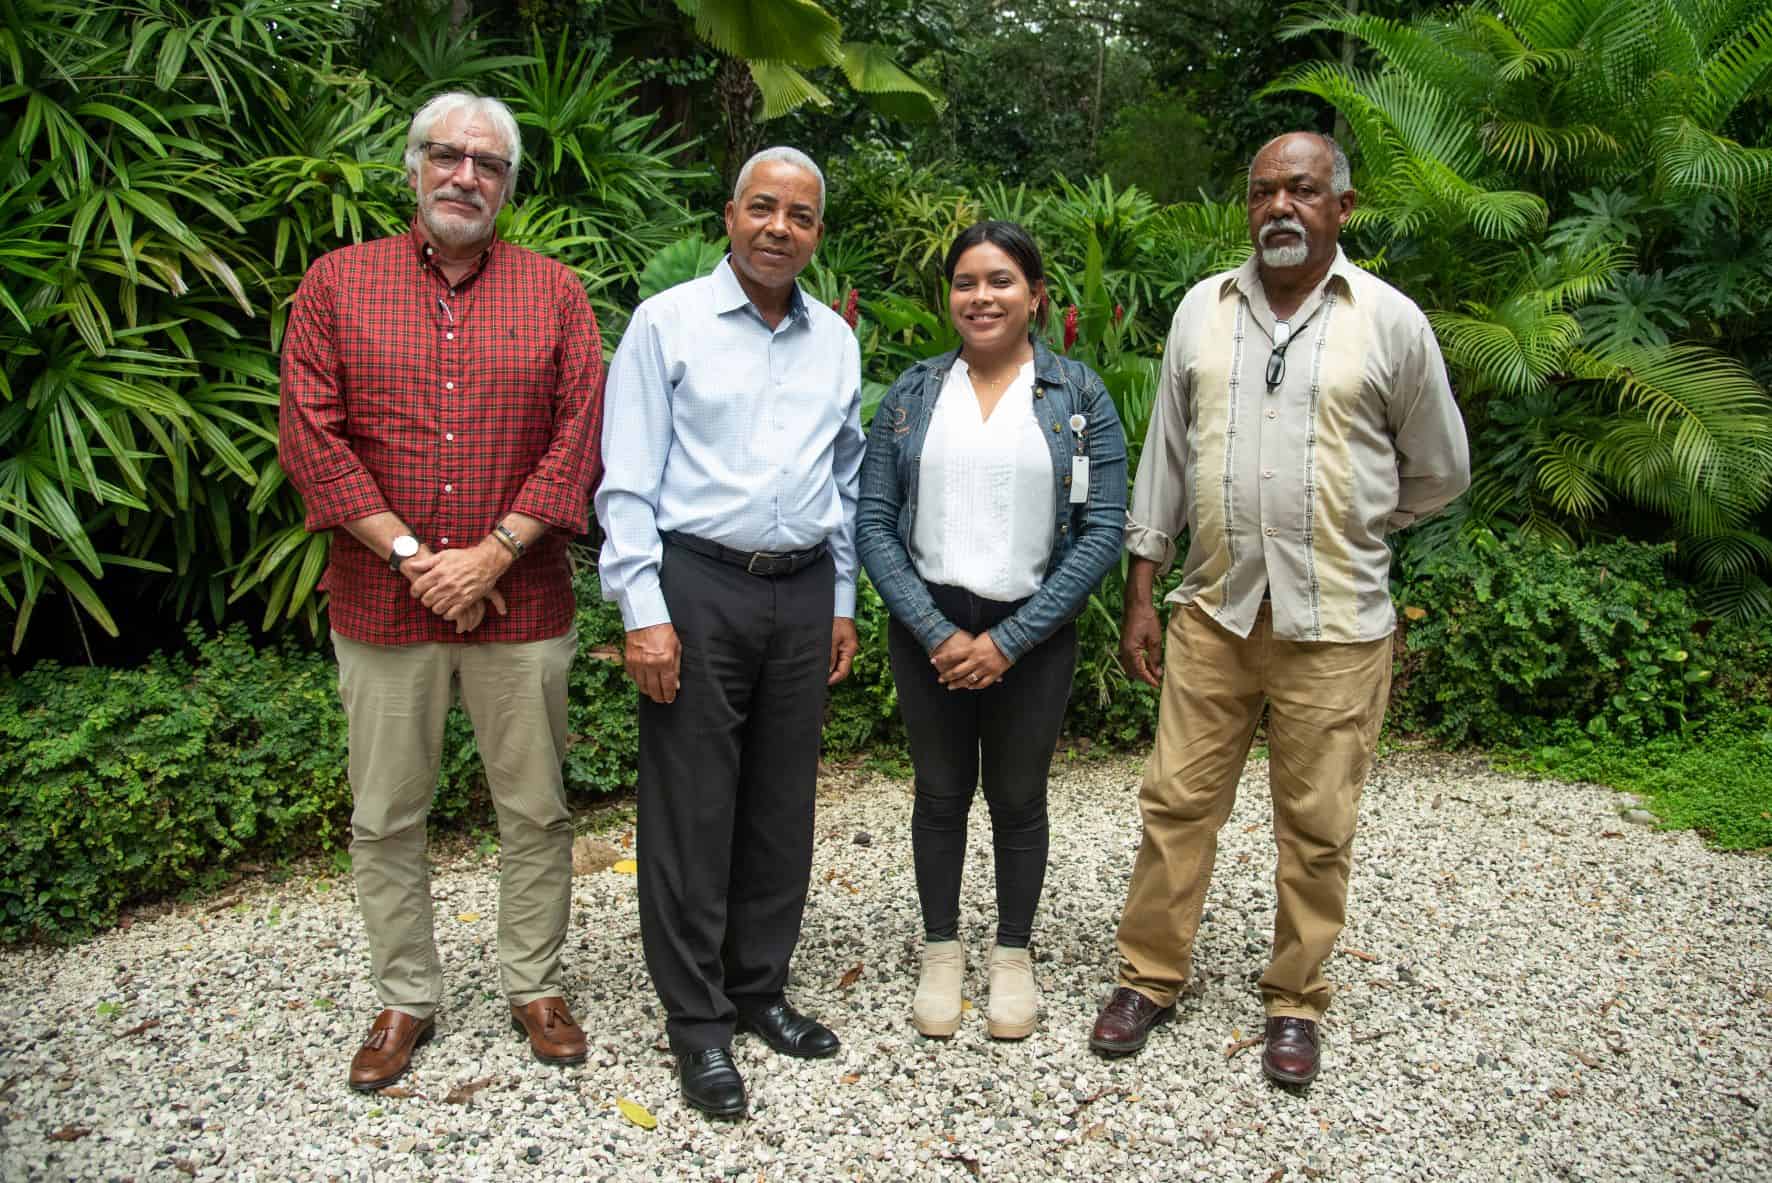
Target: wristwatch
{"x":403,"y":548}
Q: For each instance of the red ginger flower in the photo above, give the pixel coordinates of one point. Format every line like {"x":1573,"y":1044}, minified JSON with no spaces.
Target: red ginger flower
{"x":1119,"y":313}
{"x":851,"y":313}
{"x":1070,"y":327}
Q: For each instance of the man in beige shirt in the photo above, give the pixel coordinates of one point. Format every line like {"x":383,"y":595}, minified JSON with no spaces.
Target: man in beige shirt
{"x":1303,"y":413}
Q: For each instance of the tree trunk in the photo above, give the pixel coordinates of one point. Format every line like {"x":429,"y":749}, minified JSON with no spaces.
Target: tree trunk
{"x":460,"y":13}
{"x":739,"y":101}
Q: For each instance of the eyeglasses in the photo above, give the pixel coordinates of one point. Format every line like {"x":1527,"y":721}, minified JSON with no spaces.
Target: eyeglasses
{"x":1276,"y":361}
{"x":449,"y":159}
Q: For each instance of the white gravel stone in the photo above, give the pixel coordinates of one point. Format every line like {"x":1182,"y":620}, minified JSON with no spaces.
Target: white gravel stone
{"x":1526,"y":991}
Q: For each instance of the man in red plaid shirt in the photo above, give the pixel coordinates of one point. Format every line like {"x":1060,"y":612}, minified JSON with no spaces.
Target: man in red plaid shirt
{"x":442,"y":404}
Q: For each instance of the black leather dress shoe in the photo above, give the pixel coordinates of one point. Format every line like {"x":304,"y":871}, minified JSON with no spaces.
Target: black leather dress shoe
{"x":711,"y":1082}
{"x":790,"y":1032}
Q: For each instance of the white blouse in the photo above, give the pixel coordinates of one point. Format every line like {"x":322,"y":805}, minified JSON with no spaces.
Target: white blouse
{"x":985,"y":503}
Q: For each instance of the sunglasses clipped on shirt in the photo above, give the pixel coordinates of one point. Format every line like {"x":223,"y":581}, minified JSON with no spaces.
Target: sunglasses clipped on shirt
{"x":449,"y":159}
{"x":1276,"y":361}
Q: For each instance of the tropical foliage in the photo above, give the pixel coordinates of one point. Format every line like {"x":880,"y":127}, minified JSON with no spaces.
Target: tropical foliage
{"x":169,"y":171}
{"x":1562,"y":184}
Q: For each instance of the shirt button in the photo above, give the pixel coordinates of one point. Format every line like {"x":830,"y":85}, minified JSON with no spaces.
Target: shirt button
{"x":1273,"y":414}
{"x":449,"y":488}
{"x":1267,"y":474}
{"x":448,"y":386}
{"x":449,"y":435}
{"x":1271,"y":531}
{"x":443,"y":541}
{"x":449,"y":336}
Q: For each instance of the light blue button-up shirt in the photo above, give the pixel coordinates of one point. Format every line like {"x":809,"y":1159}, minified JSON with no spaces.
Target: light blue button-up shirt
{"x":716,"y":425}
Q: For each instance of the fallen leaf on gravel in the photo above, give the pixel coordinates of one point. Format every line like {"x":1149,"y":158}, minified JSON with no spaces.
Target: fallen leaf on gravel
{"x":1435,"y":803}
{"x":69,"y":1133}
{"x":1095,"y":1131}
{"x":1560,"y":1094}
{"x":637,"y":1113}
{"x":1360,"y":953}
{"x":590,"y":855}
{"x":626,"y":866}
{"x":1279,"y":1172}
{"x":851,"y":1077}
{"x":1584,"y":1058}
{"x":144,"y":1025}
{"x":461,"y":1094}
{"x":850,"y":976}
{"x":970,"y":1163}
{"x":467,"y":917}
{"x":1611,"y":833}
{"x":1244,"y":1045}
{"x":184,"y":1166}
{"x":395,"y":1090}
{"x":965,"y":1004}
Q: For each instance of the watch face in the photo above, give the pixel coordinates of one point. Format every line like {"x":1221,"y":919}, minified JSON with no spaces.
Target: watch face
{"x":406,"y":546}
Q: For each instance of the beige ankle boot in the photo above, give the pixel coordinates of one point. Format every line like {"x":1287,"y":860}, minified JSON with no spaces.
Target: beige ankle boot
{"x":935,"y":1010}
{"x":1015,"y":997}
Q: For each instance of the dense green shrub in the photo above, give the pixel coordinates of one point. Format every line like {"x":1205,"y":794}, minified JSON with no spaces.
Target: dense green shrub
{"x":1506,"y":639}
{"x":121,"y":784}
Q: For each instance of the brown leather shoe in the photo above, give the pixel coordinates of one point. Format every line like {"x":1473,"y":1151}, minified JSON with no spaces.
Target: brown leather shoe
{"x":1291,"y":1055}
{"x":387,"y":1053}
{"x":553,"y":1036}
{"x":1126,"y":1022}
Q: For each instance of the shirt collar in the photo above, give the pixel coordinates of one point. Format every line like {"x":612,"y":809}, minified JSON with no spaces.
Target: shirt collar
{"x":1247,"y":278}
{"x":730,"y":297}
{"x":422,"y":249}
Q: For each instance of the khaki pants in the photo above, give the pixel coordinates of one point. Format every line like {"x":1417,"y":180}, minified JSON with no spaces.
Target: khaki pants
{"x":1325,"y":705}
{"x":396,"y":699}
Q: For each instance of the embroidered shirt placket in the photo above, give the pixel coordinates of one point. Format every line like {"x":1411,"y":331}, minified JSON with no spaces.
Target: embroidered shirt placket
{"x":1310,"y":464}
{"x":1230,"y":450}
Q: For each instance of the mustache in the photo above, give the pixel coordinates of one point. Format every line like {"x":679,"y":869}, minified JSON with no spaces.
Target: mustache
{"x":1282,"y":225}
{"x":466,"y":196}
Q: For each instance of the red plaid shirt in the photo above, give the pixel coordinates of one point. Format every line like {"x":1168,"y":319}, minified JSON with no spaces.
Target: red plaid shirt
{"x":450,"y":407}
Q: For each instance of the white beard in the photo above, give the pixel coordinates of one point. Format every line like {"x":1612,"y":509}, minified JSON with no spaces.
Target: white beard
{"x":1291,"y":255}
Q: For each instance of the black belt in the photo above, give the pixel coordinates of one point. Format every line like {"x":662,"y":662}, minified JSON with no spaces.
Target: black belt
{"x":757,"y":562}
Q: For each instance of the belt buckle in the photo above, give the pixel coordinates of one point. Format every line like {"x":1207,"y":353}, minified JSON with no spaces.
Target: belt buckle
{"x":769,"y":558}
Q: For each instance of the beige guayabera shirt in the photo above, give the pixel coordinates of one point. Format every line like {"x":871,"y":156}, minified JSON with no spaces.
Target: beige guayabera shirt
{"x":1296,"y":489}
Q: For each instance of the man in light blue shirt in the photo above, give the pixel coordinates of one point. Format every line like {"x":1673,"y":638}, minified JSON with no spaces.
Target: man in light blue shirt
{"x":732,"y":450}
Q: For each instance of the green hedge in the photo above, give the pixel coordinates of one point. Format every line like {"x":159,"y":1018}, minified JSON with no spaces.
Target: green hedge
{"x":117,"y":785}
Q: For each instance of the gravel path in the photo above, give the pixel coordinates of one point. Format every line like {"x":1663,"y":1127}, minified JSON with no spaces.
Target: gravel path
{"x":1530,"y":988}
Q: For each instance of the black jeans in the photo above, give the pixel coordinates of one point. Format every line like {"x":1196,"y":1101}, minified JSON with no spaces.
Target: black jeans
{"x":727,"y":774}
{"x":1008,"y":731}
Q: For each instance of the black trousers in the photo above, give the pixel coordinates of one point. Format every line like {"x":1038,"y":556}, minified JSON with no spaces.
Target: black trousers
{"x":727,"y":779}
{"x":1008,"y":732}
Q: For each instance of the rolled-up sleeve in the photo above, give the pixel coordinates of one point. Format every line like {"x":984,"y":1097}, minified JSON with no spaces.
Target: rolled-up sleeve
{"x":311,"y":423}
{"x":558,"y":491}
{"x":1158,"y":511}
{"x":1433,"y":453}
{"x":635,"y":445}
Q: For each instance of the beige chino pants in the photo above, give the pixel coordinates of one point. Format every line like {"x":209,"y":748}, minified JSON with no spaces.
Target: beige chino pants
{"x":1325,"y":704}
{"x":396,"y":700}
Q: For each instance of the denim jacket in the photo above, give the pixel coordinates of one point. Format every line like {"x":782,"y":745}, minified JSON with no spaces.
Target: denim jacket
{"x":1085,"y":540}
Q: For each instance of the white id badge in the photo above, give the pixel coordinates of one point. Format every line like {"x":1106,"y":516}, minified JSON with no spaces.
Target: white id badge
{"x":1079,"y":479}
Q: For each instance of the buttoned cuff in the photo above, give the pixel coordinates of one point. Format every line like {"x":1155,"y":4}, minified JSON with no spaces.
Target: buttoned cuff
{"x":845,"y":605}
{"x":644,"y":608}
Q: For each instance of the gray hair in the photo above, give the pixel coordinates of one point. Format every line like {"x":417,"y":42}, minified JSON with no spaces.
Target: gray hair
{"x":1341,"y":174}
{"x":781,"y":155}
{"x":447,"y":104}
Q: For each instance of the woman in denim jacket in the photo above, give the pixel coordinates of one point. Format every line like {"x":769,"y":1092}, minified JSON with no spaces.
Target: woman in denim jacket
{"x":993,"y":500}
